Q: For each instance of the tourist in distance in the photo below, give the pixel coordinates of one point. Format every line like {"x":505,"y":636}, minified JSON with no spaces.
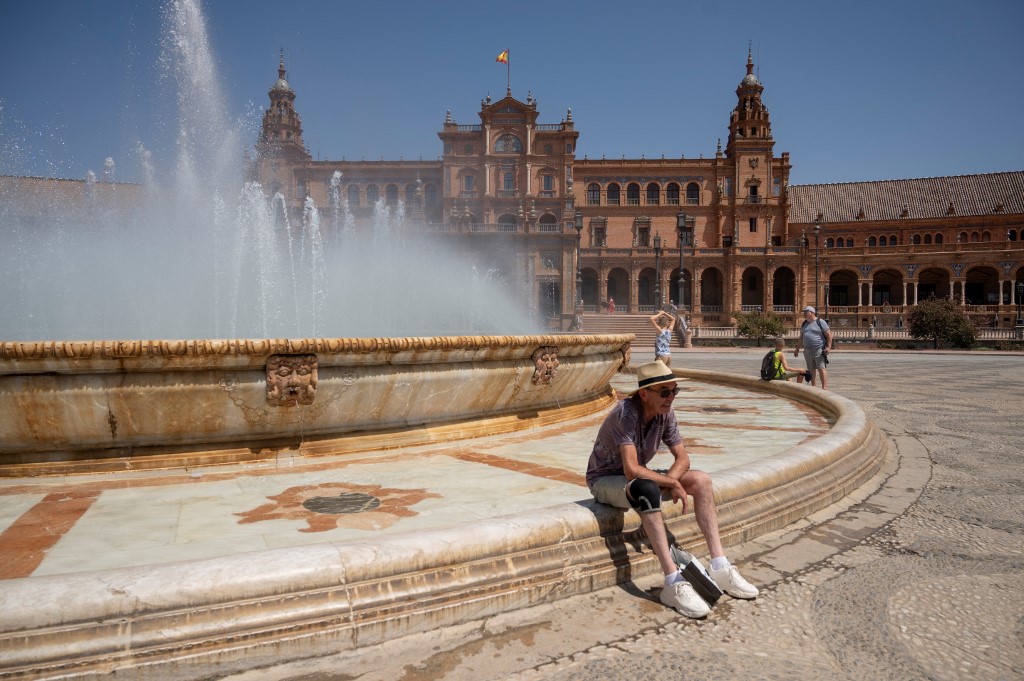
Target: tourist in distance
{"x":679,"y":328}
{"x":617,"y":474}
{"x":662,"y":323}
{"x":816,"y":341}
{"x":784,"y":372}
{"x":611,"y":306}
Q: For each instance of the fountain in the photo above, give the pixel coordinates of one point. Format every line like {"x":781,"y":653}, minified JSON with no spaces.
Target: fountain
{"x":309,"y":337}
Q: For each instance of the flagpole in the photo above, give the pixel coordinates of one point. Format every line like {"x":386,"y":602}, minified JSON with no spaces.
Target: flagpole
{"x":508,"y":72}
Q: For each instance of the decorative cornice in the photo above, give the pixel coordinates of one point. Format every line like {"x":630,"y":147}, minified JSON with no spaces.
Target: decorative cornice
{"x":272,"y":346}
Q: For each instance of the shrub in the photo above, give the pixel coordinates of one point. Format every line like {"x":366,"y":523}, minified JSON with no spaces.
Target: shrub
{"x":941,"y":320}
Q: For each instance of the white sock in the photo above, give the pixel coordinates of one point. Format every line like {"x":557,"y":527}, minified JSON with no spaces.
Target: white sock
{"x":673,"y":578}
{"x":719,"y":563}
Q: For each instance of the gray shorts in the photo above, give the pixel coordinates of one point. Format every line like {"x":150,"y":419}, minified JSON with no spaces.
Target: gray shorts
{"x":814,"y":359}
{"x":611,"y":490}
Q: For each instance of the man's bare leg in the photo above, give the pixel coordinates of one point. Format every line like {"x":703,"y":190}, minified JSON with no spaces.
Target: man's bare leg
{"x":654,"y":526}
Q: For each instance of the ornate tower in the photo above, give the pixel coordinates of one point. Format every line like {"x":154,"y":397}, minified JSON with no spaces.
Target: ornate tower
{"x":281,"y":134}
{"x":749,"y":126}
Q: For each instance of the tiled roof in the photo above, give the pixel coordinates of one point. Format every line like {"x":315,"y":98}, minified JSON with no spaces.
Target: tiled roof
{"x":923,"y":198}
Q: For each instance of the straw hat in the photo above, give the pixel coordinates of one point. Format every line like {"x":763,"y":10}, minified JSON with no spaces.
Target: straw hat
{"x":652,"y":374}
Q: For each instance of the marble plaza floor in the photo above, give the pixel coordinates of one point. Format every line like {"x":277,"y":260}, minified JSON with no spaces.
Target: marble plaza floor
{"x":95,"y":521}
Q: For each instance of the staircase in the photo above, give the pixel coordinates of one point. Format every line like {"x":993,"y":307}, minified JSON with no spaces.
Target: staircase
{"x":638,"y":324}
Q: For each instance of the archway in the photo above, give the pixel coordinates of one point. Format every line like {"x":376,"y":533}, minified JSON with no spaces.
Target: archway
{"x":887,"y":288}
{"x":842,"y":289}
{"x":618,"y":288}
{"x":752,"y":288}
{"x":711,"y":290}
{"x":784,"y":289}
{"x":933,"y":281}
{"x":687,"y":289}
{"x":981,"y":286}
{"x":645,"y":289}
{"x":590,"y":288}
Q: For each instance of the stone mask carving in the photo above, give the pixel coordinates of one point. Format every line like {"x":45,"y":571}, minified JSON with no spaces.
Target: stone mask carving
{"x":545,"y":361}
{"x":291,"y":380}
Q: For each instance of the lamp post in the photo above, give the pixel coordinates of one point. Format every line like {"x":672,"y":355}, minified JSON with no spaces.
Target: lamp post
{"x":578,"y":298}
{"x":657,"y":271}
{"x":684,"y":224}
{"x":817,"y":245}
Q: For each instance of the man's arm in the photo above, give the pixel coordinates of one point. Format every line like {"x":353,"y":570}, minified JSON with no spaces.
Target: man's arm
{"x":828,"y":340}
{"x":632,"y":469}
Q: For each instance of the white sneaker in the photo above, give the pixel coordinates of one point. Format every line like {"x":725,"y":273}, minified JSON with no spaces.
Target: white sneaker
{"x":731,"y":582}
{"x":683,"y":598}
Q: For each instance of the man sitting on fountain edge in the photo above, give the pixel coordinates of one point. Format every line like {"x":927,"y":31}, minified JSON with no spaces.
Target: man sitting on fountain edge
{"x":617,"y":474}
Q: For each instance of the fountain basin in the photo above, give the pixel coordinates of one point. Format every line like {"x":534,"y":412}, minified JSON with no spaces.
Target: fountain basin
{"x":135,"y":404}
{"x":239,"y":611}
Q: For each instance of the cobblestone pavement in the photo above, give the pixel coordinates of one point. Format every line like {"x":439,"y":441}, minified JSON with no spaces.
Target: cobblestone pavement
{"x":919,"y":575}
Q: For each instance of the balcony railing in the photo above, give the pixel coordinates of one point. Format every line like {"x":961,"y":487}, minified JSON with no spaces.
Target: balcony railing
{"x":548,"y":194}
{"x":469,"y":128}
{"x":467,"y":194}
{"x":632,"y":202}
{"x":755,"y":199}
{"x":507,"y":193}
{"x":550,"y":127}
{"x":501,"y":227}
{"x":547,"y":227}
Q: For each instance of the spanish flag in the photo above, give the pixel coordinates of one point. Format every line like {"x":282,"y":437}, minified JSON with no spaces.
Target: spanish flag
{"x":503,"y":57}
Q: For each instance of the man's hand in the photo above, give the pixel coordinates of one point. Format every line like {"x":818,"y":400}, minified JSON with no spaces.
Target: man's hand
{"x":678,"y":494}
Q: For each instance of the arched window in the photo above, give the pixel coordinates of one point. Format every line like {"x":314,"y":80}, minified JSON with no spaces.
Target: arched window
{"x":692,"y":194}
{"x":892,"y":239}
{"x":410,"y":195}
{"x":849,"y":242}
{"x":391,"y":194}
{"x":839,"y":242}
{"x":508,"y":144}
{"x":871,"y":241}
{"x":672,"y":194}
{"x":938,"y":238}
{"x":593,"y":194}
{"x":613,"y":194}
{"x":830,"y":243}
{"x":975,"y":237}
{"x":882,"y":241}
{"x":1011,"y":235}
{"x":632,"y":194}
{"x":508,"y":181}
{"x":927,"y":239}
{"x":653,"y":194}
{"x":372,"y":194}
{"x":986,"y":236}
{"x":353,"y":195}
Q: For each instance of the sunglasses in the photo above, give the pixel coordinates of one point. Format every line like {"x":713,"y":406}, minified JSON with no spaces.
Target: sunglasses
{"x":665,"y":392}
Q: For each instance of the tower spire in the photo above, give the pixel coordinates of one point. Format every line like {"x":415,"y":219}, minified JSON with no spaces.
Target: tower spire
{"x":280,"y":66}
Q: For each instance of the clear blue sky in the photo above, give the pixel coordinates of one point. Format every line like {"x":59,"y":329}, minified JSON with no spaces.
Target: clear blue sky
{"x":857,"y":91}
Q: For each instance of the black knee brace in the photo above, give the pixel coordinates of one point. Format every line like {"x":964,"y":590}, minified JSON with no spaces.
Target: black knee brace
{"x":643,"y":495}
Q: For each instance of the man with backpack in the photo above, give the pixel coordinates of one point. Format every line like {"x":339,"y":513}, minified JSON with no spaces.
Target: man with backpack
{"x":816,"y":341}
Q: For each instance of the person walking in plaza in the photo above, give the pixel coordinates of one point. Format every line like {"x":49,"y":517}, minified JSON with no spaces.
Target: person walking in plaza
{"x":816,"y":341}
{"x":617,"y":474}
{"x":663,"y":323}
{"x":611,"y":306}
{"x":784,"y":372}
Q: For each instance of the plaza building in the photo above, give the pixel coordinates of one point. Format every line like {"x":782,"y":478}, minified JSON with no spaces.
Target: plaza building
{"x":723,"y":234}
{"x":569,"y":232}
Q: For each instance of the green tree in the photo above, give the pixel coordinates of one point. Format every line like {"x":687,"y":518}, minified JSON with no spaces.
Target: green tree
{"x":759,"y":325}
{"x":941,"y":320}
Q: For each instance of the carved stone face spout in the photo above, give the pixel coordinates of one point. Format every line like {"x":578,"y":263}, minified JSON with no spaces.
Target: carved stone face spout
{"x":291,"y":380}
{"x":545,"y":362}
